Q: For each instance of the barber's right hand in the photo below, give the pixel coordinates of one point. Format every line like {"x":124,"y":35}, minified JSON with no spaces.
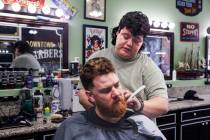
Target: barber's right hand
{"x":83,"y":99}
{"x":132,"y":103}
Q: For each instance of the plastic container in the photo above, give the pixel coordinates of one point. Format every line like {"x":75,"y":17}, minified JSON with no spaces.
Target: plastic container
{"x":174,"y":75}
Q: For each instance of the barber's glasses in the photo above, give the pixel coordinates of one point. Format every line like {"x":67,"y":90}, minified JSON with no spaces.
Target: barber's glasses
{"x":108,"y":89}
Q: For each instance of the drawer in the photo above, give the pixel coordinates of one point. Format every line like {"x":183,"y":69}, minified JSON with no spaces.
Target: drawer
{"x":168,"y":119}
{"x":195,"y":114}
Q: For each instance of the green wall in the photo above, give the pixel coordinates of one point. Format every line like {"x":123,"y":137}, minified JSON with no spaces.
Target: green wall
{"x":162,"y":10}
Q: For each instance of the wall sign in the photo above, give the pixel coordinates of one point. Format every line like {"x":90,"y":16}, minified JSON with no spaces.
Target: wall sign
{"x":189,"y":7}
{"x":189,"y":31}
{"x":46,"y":47}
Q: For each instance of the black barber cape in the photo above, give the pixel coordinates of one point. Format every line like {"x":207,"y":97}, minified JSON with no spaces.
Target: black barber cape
{"x":88,"y":126}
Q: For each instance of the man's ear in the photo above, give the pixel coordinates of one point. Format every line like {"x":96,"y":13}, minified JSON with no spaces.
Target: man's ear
{"x":90,"y":96}
{"x":117,"y":32}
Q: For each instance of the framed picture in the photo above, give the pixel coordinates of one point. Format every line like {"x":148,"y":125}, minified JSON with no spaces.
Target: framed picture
{"x":95,"y":10}
{"x":94,"y":39}
{"x":189,"y":32}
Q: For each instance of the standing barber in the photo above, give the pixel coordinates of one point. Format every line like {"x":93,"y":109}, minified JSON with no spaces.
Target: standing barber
{"x":133,"y":67}
{"x":24,"y":57}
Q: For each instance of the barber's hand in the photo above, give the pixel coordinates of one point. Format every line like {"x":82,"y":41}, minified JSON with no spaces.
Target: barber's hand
{"x":132,"y":103}
{"x":83,"y":99}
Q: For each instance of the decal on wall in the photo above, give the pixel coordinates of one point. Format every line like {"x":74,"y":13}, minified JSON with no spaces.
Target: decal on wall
{"x":189,"y":7}
{"x":189,"y":31}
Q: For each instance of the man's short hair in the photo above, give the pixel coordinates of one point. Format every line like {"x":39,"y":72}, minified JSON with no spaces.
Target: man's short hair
{"x":23,"y":47}
{"x":93,"y":68}
{"x":136,"y":22}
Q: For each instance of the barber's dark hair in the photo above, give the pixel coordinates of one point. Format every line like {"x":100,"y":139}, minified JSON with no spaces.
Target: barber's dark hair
{"x":136,"y":22}
{"x":94,"y":67}
{"x":23,"y":47}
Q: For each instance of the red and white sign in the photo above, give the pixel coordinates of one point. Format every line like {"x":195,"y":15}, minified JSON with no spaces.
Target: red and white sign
{"x":189,"y":31}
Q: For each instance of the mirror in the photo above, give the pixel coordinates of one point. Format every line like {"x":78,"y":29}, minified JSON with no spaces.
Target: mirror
{"x":207,"y":54}
{"x":47,"y":45}
{"x":160,"y":46}
{"x":48,"y":39}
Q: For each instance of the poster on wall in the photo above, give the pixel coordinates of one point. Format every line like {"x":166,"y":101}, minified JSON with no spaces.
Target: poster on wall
{"x":46,"y":47}
{"x":189,"y":7}
{"x":94,"y":39}
{"x":189,"y":32}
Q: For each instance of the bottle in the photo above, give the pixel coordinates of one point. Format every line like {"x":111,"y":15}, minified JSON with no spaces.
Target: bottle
{"x":38,"y":104}
{"x":174,"y":75}
{"x":49,"y":80}
{"x":40,"y":85}
{"x":47,"y":103}
{"x":29,"y":80}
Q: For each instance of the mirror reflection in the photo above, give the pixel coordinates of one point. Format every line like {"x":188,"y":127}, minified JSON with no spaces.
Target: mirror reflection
{"x":46,"y":41}
{"x":159,"y":46}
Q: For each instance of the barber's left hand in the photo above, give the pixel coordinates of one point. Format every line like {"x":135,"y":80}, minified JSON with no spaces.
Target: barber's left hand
{"x":132,"y":103}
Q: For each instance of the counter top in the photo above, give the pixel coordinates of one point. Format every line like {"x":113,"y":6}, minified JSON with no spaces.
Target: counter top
{"x":184,"y":104}
{"x":37,"y":127}
{"x":40,"y":127}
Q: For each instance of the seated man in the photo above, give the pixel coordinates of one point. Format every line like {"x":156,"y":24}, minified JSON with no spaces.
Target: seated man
{"x":109,"y":119}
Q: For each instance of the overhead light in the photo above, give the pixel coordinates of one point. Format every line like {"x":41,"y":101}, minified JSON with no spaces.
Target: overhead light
{"x":171,"y":25}
{"x":1,"y":5}
{"x":150,"y":22}
{"x":164,"y":24}
{"x":33,"y":32}
{"x":156,"y":24}
{"x":31,"y":8}
{"x":46,"y":10}
{"x":59,"y":12}
{"x":16,"y":7}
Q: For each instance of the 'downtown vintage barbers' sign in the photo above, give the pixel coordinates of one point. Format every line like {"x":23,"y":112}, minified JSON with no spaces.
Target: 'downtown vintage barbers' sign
{"x":189,"y":7}
{"x":46,"y":47}
{"x":189,"y":31}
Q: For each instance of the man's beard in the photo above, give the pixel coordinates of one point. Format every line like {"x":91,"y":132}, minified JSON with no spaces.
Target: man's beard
{"x":117,"y":109}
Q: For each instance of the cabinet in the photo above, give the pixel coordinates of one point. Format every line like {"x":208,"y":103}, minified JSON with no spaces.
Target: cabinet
{"x":186,"y":124}
{"x":195,"y":131}
{"x":195,"y":124}
{"x":167,"y":124}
